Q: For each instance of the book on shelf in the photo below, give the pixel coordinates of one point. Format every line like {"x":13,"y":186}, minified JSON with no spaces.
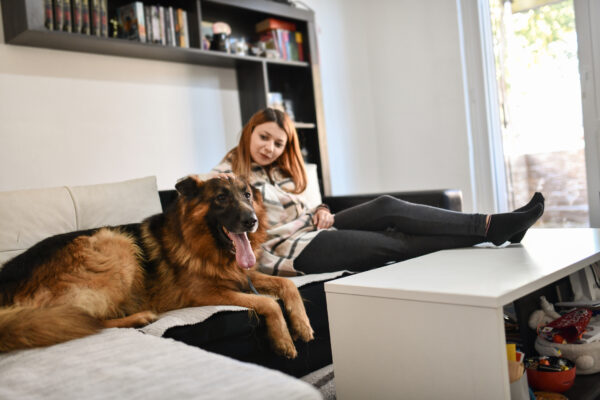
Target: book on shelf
{"x":161,"y":20}
{"x":103,"y":18}
{"x":274,"y":23}
{"x":155,"y":24}
{"x":95,"y":17}
{"x":168,"y":22}
{"x":148,"y":23}
{"x":48,"y":15}
{"x":177,"y":27}
{"x":281,"y":40}
{"x":184,"y":37}
{"x":186,"y":29}
{"x":288,"y":44}
{"x":289,"y":41}
{"x":171,"y":24}
{"x":299,"y":45}
{"x":58,"y":15}
{"x":66,"y":15}
{"x":293,"y":47}
{"x":85,"y":17}
{"x":132,"y":21}
{"x":76,"y":15}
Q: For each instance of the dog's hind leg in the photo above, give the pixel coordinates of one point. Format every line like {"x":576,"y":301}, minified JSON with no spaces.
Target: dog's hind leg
{"x":131,"y":321}
{"x":288,"y":292}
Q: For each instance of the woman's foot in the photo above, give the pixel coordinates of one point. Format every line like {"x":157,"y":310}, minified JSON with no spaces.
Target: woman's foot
{"x":505,"y":226}
{"x":537,"y":198}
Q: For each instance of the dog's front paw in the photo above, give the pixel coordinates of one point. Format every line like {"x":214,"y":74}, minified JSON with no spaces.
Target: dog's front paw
{"x":302,"y":330}
{"x":145,"y":317}
{"x":285,"y":348}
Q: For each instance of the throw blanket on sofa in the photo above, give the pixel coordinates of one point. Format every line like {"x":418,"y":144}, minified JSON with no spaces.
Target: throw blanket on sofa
{"x":127,"y":364}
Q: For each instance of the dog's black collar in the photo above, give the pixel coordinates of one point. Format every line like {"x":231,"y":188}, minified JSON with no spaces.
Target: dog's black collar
{"x":252,"y":286}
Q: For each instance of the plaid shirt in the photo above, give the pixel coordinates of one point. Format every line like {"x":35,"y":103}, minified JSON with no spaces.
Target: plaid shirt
{"x":290,"y":220}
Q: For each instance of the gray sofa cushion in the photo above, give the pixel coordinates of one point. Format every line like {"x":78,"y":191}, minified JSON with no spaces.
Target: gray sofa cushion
{"x":29,"y":216}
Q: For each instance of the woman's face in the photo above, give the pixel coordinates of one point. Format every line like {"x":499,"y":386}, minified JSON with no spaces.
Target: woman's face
{"x":267,"y":143}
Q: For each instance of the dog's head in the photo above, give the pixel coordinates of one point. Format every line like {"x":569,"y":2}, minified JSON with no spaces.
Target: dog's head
{"x":232,"y":211}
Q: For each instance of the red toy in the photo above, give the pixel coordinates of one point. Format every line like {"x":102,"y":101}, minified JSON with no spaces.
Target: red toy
{"x":568,"y":328}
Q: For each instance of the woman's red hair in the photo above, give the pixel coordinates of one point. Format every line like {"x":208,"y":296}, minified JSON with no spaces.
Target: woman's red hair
{"x":290,"y":161}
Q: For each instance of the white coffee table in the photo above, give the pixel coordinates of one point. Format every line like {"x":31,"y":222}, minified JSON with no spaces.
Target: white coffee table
{"x":432,"y":327}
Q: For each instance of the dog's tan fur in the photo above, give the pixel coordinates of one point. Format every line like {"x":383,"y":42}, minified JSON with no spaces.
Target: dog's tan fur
{"x":98,"y":280}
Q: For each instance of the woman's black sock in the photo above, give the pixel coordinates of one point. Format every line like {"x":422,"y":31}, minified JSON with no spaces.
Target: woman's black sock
{"x":504,"y":226}
{"x":537,"y":198}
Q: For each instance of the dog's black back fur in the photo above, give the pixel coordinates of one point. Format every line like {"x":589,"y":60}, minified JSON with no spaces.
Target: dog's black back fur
{"x":20,"y":268}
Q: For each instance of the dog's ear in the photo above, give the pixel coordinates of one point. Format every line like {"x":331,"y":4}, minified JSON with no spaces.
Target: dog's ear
{"x":189,"y":186}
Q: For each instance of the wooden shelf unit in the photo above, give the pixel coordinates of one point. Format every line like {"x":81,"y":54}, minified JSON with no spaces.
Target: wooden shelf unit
{"x":298,"y":81}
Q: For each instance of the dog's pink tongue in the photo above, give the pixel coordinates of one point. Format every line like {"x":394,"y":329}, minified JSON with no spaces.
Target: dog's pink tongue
{"x":243,"y":251}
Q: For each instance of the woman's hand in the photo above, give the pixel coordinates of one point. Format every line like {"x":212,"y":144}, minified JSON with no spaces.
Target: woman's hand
{"x":323,"y":219}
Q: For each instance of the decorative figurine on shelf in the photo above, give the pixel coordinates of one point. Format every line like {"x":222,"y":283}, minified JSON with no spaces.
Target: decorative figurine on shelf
{"x":256,"y":49}
{"x":206,"y":28}
{"x":221,"y":32}
{"x":238,"y":46}
{"x":115,"y":27}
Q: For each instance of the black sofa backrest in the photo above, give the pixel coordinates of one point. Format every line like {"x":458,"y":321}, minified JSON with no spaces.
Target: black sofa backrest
{"x":450,"y":199}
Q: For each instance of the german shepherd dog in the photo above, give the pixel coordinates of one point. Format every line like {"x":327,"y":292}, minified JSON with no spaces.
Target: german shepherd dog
{"x":200,"y":251}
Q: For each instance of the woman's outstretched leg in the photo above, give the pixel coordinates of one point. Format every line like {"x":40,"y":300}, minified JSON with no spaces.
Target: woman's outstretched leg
{"x":364,"y":250}
{"x":392,"y":214}
{"x":387,"y":213}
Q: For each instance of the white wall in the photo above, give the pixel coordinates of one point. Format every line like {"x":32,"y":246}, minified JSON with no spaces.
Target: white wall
{"x":347,"y":95}
{"x":74,"y":118}
{"x":393,"y":94}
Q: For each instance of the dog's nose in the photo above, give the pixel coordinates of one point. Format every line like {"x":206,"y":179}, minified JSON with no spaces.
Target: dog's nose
{"x":250,"y":222}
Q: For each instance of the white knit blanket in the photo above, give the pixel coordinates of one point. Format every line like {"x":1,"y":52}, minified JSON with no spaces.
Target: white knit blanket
{"x":127,"y":364}
{"x":194,"y":315}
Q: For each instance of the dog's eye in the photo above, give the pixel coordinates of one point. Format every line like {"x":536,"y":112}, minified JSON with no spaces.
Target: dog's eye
{"x":221,"y":197}
{"x":247,"y":195}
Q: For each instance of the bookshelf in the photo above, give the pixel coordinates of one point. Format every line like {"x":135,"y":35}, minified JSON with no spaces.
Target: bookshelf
{"x":298,"y":81}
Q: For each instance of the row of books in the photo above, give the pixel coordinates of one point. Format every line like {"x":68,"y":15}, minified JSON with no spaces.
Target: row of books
{"x":154,"y":24}
{"x":88,"y":17}
{"x":281,"y":36}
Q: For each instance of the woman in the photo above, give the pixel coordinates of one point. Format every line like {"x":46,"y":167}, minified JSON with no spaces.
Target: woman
{"x":384,"y":230}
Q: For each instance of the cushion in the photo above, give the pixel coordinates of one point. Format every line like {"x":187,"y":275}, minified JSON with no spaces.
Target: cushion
{"x":115,"y":203}
{"x":312,"y":194}
{"x":29,"y":216}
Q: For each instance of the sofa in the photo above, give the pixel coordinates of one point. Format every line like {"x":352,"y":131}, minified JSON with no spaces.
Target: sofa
{"x":200,"y":352}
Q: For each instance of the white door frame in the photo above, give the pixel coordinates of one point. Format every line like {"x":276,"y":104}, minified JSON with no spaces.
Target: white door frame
{"x":483,"y":120}
{"x":489,"y":179}
{"x":588,"y":45}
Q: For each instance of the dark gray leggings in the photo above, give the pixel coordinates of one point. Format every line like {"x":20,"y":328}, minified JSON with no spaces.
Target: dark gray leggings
{"x":385,"y":230}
